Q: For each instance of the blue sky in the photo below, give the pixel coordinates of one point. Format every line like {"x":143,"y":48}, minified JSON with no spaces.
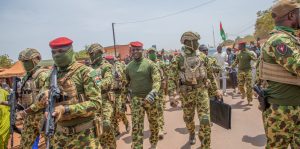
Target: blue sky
{"x":33,"y":23}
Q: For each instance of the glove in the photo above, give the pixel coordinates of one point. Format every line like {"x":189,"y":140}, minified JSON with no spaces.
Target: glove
{"x":106,"y":126}
{"x":58,"y":112}
{"x":151,"y":97}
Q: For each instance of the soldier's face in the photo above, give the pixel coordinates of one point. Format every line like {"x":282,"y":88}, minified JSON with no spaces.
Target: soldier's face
{"x":136,"y":52}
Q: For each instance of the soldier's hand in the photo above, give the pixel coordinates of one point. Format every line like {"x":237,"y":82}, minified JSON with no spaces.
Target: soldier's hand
{"x":151,"y":97}
{"x":22,"y":114}
{"x":106,"y":126}
{"x":42,"y":99}
{"x":58,"y":112}
{"x":219,"y":95}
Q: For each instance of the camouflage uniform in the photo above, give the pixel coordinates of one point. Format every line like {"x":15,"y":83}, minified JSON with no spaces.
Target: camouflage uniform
{"x":213,"y":68}
{"x":194,"y":87}
{"x":33,"y":81}
{"x":172,"y":83}
{"x":147,"y":80}
{"x":120,"y":96}
{"x":81,"y":102}
{"x":104,"y":70}
{"x":243,"y":60}
{"x":161,"y":94}
{"x":282,"y":119}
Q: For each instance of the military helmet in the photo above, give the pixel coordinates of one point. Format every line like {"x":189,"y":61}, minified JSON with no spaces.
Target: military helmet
{"x":29,"y":54}
{"x":151,"y":49}
{"x":189,"y":35}
{"x":95,"y":48}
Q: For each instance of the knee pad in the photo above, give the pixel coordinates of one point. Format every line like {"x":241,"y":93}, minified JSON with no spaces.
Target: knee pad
{"x":204,"y":120}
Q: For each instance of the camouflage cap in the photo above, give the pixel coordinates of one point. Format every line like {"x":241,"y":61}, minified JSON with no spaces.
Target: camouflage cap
{"x":95,"y":48}
{"x":29,"y":54}
{"x":283,"y":7}
{"x":189,"y":35}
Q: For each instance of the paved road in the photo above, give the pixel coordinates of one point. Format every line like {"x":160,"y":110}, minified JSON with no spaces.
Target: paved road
{"x":246,"y":133}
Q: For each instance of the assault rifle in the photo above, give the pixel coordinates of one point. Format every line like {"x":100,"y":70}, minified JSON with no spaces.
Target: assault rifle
{"x":54,"y":95}
{"x":263,"y":101}
{"x":13,"y":103}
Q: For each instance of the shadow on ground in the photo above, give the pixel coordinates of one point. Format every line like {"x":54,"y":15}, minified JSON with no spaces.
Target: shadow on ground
{"x":239,"y":105}
{"x":128,"y":139}
{"x":259,"y":140}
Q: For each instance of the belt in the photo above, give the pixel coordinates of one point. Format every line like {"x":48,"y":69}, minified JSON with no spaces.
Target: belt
{"x":75,"y":129}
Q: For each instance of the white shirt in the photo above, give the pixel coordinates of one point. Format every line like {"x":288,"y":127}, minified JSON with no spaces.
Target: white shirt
{"x":221,"y":59}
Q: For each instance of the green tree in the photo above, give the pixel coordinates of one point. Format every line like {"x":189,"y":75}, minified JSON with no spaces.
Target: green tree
{"x":82,"y":54}
{"x":264,"y":24}
{"x":5,"y":61}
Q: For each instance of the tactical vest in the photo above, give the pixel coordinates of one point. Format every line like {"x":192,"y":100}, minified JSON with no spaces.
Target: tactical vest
{"x":29,"y":90}
{"x":192,"y":71}
{"x":69,"y":92}
{"x":275,"y":72}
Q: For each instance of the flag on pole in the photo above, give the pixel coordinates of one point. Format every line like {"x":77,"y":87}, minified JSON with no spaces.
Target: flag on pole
{"x":222,"y":32}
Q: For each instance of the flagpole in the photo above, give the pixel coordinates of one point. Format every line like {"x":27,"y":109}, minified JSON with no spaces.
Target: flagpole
{"x":214,"y":39}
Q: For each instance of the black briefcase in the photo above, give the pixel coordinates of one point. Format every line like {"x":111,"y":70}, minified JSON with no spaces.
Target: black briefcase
{"x":220,"y":113}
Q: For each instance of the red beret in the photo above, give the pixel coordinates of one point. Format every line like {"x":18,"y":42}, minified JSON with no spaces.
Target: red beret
{"x":109,"y":57}
{"x":60,"y":42}
{"x":242,"y":43}
{"x":136,"y":44}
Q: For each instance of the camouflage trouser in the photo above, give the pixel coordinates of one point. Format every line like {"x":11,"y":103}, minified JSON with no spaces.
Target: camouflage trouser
{"x":172,"y":91}
{"x":139,"y":107}
{"x":283,"y":127}
{"x":197,"y":99}
{"x":108,"y":139}
{"x":245,"y":79}
{"x":120,"y":108}
{"x":161,"y":107}
{"x":85,"y":139}
{"x":31,"y":130}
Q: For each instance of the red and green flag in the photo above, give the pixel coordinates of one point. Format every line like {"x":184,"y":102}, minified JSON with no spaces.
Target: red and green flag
{"x":222,"y":32}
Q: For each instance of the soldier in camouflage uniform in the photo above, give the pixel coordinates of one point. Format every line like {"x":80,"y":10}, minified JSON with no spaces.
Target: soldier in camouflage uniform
{"x":280,"y":67}
{"x":215,"y":68}
{"x":104,"y":70}
{"x":243,"y":60}
{"x":75,"y":113}
{"x":118,"y":87}
{"x":144,"y":84}
{"x":172,"y":83}
{"x":193,"y":88}
{"x":161,"y":66}
{"x":33,"y":81}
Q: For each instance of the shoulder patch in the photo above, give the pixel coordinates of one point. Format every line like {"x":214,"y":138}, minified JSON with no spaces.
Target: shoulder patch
{"x":282,"y":49}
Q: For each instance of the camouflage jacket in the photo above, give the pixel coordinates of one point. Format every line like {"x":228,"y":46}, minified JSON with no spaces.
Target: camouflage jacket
{"x":104,"y":70}
{"x":83,"y":78}
{"x":283,"y":48}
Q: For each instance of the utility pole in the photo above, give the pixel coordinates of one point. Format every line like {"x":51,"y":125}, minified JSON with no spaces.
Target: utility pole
{"x":113,"y":29}
{"x":214,"y":36}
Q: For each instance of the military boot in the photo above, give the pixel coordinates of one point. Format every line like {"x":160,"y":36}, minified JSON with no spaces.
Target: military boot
{"x":153,"y":146}
{"x":192,"y":139}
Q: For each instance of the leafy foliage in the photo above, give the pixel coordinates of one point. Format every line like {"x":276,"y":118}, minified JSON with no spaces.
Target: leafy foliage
{"x":5,"y":61}
{"x":264,"y":24}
